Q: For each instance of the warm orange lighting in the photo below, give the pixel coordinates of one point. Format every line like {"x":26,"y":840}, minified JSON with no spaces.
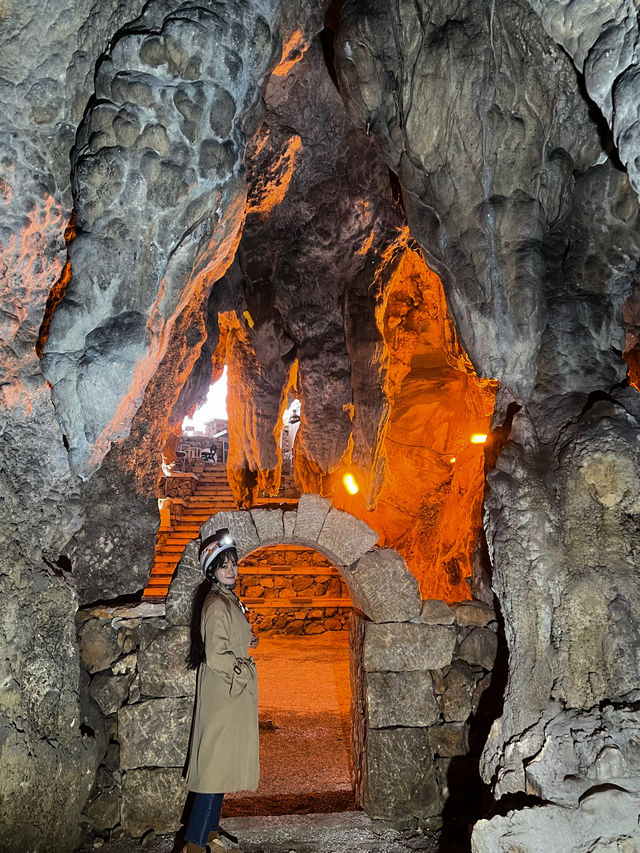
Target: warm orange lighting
{"x":452,"y":460}
{"x":478,"y":438}
{"x":350,"y":484}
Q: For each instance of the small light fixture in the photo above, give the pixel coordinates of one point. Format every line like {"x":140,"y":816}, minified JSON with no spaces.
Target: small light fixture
{"x":350,"y":484}
{"x":452,"y":460}
{"x":479,"y":438}
{"x":248,"y":318}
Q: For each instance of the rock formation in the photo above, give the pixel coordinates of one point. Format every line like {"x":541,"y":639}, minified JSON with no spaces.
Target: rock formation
{"x":388,"y":224}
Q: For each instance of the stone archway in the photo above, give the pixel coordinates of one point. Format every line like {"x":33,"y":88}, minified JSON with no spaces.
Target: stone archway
{"x":391,"y":649}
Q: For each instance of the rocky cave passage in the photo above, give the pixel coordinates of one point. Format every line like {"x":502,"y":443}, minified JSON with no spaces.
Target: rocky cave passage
{"x":388,"y":210}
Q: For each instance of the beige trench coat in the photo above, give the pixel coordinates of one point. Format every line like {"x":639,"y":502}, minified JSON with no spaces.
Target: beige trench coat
{"x":223,"y":753}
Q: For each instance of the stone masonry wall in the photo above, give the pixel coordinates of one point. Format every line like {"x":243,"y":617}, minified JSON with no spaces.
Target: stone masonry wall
{"x":415,"y":698}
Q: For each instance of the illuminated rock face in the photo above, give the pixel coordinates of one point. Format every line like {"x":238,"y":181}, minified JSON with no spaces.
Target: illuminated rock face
{"x":507,"y":189}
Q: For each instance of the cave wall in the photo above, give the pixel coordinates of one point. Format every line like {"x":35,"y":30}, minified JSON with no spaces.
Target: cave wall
{"x":74,"y":81}
{"x":515,"y":190}
{"x":513,"y":130}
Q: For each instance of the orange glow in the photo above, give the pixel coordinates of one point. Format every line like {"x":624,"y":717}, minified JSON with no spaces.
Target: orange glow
{"x":270,"y":188}
{"x":31,"y":262}
{"x":292,"y":52}
{"x":479,"y":438}
{"x":350,"y":484}
{"x":452,"y":460}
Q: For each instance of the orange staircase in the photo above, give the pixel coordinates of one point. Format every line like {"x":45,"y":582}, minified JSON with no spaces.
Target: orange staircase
{"x":212,"y":494}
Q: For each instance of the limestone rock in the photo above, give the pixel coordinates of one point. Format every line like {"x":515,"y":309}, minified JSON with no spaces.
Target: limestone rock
{"x":110,"y":691}
{"x":183,"y":584}
{"x":154,"y":733}
{"x":475,"y":613}
{"x":152,"y":799}
{"x":345,"y":537}
{"x":449,"y":739}
{"x":269,"y":524}
{"x":402,"y":646}
{"x":479,"y":648}
{"x":436,"y":612}
{"x":99,"y":646}
{"x":162,"y":665}
{"x":289,"y":522}
{"x":112,"y":553}
{"x":458,"y":687}
{"x":401,"y":780}
{"x":104,"y":811}
{"x":383,"y":587}
{"x":605,"y":820}
{"x":401,"y":699}
{"x":310,"y":516}
{"x":241,"y":527}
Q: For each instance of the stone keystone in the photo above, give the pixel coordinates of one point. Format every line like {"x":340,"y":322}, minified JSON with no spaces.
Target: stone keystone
{"x":312,"y":511}
{"x":268,"y":523}
{"x":346,"y":538}
{"x":241,"y":527}
{"x":289,"y":524}
{"x":384,"y":588}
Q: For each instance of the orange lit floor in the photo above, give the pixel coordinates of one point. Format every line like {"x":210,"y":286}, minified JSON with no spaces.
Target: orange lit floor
{"x":304,"y":701}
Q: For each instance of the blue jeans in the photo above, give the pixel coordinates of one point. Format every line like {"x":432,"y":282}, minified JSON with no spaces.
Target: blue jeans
{"x":204,"y":818}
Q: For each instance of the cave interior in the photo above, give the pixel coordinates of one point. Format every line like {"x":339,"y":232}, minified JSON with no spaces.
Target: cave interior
{"x":420,"y":220}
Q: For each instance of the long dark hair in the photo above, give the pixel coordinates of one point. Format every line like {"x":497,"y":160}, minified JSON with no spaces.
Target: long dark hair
{"x":196,"y":654}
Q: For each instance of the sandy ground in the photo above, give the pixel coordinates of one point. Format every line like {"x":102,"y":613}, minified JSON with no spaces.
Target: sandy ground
{"x":303,"y":685}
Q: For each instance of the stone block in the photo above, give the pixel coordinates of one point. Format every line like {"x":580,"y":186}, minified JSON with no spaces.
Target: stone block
{"x":99,"y":646}
{"x":457,"y":694}
{"x":162,"y":665}
{"x":401,"y":778}
{"x":103,"y":812}
{"x":152,"y":799}
{"x":269,"y":524}
{"x":241,"y":527}
{"x":185,"y":579}
{"x":401,"y":699}
{"x":606,"y":821}
{"x":436,"y":612}
{"x":479,"y":648}
{"x":110,"y":691}
{"x":346,"y":538}
{"x":154,"y":733}
{"x":288,"y":524}
{"x":475,"y":613}
{"x":449,"y":739}
{"x":407,"y":646}
{"x":382,"y":586}
{"x":310,"y":516}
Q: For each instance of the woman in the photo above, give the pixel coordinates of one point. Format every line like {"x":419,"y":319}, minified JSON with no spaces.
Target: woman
{"x":223,"y":753}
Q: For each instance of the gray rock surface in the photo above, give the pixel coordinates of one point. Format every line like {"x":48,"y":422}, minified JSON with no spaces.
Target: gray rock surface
{"x":604,"y":821}
{"x":110,"y":691}
{"x":564,"y":566}
{"x":345,"y":537}
{"x":100,"y":644}
{"x":401,"y":646}
{"x":186,"y":578}
{"x":401,"y":699}
{"x":152,"y":799}
{"x":402,"y":775}
{"x":479,"y":647}
{"x":241,"y":527}
{"x":311,"y":513}
{"x":383,"y":587}
{"x":434,"y":612}
{"x":162,"y":665}
{"x":154,"y":733}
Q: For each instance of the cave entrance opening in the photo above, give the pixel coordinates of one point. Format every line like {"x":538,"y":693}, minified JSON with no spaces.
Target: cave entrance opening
{"x":300,"y":608}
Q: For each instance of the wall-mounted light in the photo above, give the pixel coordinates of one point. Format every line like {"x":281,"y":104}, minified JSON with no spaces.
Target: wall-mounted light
{"x":350,"y":484}
{"x":452,"y":460}
{"x":479,"y":438}
{"x":249,"y":319}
